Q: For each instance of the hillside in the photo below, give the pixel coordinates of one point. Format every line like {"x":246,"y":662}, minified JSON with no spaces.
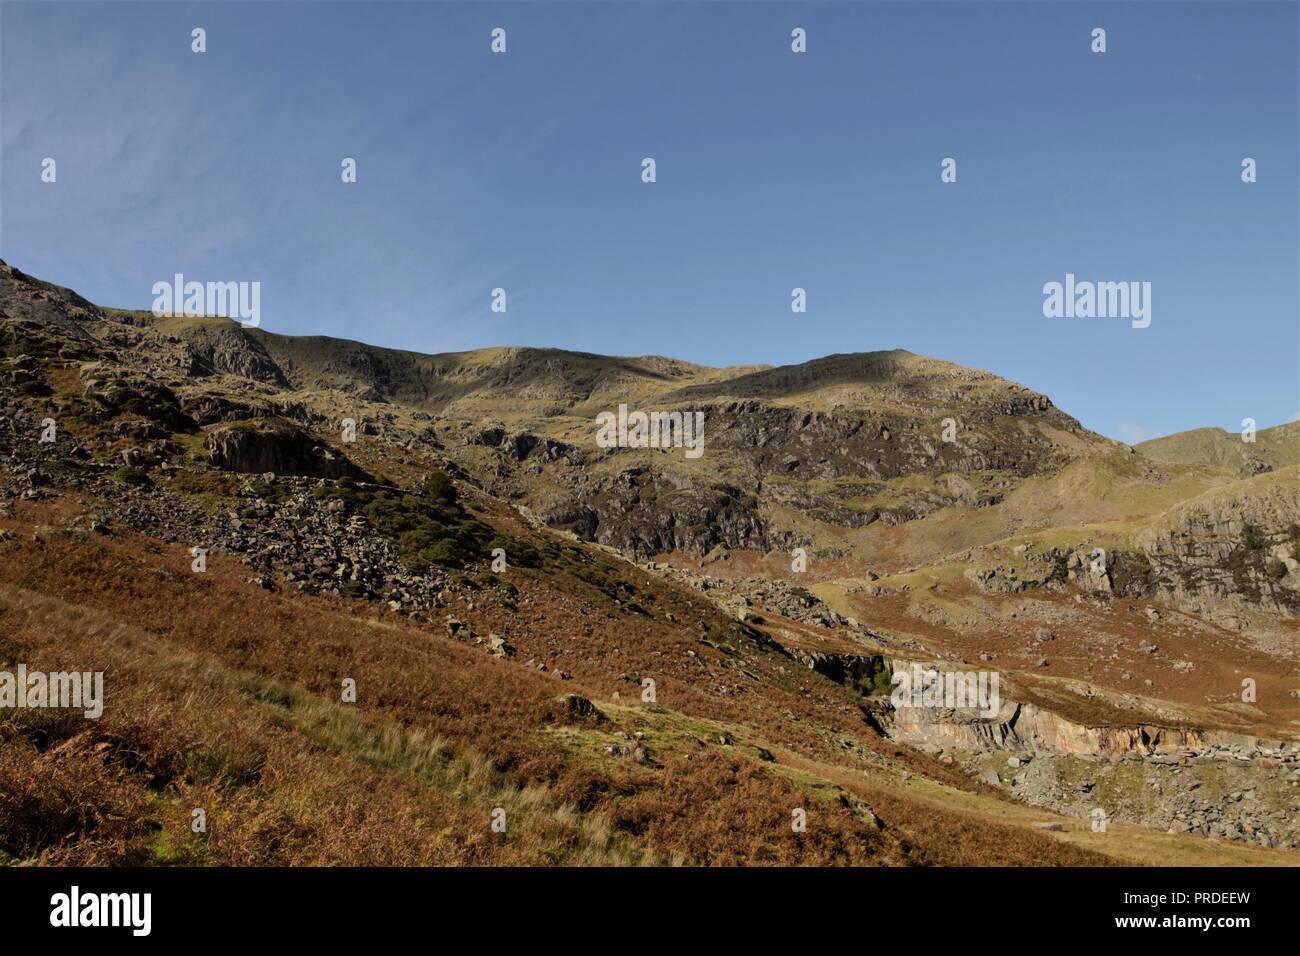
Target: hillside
{"x":1277,"y":447}
{"x":649,"y":678}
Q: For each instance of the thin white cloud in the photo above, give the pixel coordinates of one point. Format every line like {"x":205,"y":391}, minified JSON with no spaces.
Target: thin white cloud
{"x":1132,"y":434}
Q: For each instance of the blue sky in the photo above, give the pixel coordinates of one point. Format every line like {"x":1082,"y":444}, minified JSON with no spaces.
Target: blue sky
{"x":775,"y":170}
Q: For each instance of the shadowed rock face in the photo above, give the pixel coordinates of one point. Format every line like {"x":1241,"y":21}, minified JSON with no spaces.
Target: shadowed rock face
{"x":23,"y":297}
{"x":644,"y":511}
{"x":236,"y":352}
{"x":802,"y":443}
{"x":278,"y":447}
{"x":215,"y":409}
{"x":810,"y":461}
{"x":847,"y":441}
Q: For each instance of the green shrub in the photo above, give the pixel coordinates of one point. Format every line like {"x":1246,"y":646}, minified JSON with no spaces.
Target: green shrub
{"x":429,"y":528}
{"x":1253,"y":538}
{"x":130,"y":476}
{"x":270,"y":493}
{"x":438,"y":487}
{"x":879,"y":683}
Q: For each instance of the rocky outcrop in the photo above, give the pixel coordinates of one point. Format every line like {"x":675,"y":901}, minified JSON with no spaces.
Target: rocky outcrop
{"x":644,"y":510}
{"x":208,"y":409}
{"x":1247,"y":801}
{"x":521,"y":446}
{"x":831,"y":445}
{"x":28,"y":299}
{"x":111,"y":392}
{"x":277,"y":447}
{"x":1228,"y":551}
{"x":866,"y":673}
{"x":234,"y":351}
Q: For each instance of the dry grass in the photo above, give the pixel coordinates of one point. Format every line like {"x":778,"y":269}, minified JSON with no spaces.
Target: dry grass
{"x":225,"y":697}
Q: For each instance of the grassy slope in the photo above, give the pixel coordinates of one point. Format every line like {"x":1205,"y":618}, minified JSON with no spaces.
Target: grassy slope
{"x":1278,"y":446}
